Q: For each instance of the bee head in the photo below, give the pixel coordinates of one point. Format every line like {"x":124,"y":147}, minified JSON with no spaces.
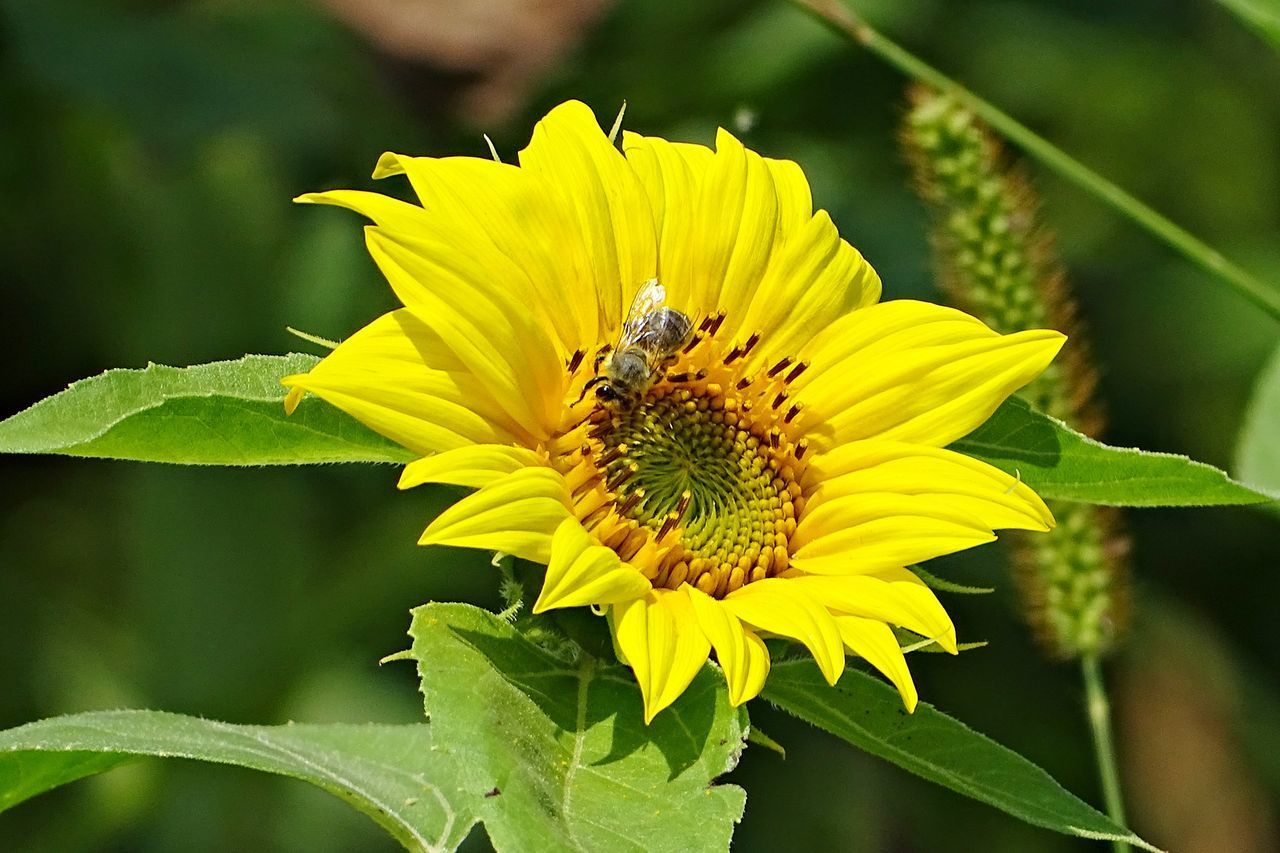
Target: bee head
{"x":611,"y":397}
{"x":606,"y":393}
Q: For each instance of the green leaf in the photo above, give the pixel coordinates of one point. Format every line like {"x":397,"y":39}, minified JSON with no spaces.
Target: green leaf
{"x":761,"y":739}
{"x":868,"y":713}
{"x":837,"y":15}
{"x":1062,"y":464}
{"x":565,"y":744}
{"x":943,"y":585}
{"x":397,"y":775}
{"x":1258,"y":452}
{"x":1261,"y":16}
{"x":549,"y":755}
{"x":224,"y":413}
{"x":910,"y":642}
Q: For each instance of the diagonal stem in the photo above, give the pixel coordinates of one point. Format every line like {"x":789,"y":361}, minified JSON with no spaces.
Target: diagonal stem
{"x":837,"y":16}
{"x":1099,"y":712}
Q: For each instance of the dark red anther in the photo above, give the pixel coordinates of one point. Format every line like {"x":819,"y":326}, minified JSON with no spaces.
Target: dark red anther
{"x":620,"y":477}
{"x":611,"y":455}
{"x":630,"y":502}
{"x":796,"y":371}
{"x":686,"y":497}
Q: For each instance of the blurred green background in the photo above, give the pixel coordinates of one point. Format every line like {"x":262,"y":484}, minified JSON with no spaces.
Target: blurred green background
{"x":148,"y":152}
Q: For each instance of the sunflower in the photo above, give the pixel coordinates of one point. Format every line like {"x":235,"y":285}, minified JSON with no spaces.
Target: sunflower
{"x":775,"y":475}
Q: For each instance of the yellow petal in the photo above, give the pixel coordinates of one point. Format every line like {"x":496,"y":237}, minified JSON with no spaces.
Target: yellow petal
{"x":895,"y":596}
{"x":719,"y":219}
{"x":737,"y":233}
{"x":742,"y":655}
{"x":930,"y":475}
{"x":795,"y":202}
{"x":462,"y":296}
{"x":385,"y":211}
{"x":874,"y":531}
{"x":778,"y":607}
{"x":874,"y":641}
{"x":671,"y":173}
{"x":814,"y":278}
{"x":294,"y":398}
{"x":913,"y":372}
{"x":733,"y":229}
{"x":475,"y":466}
{"x":594,"y":182}
{"x":397,"y":377}
{"x":582,"y":572}
{"x":659,"y":638}
{"x":512,"y":210}
{"x":516,"y":514}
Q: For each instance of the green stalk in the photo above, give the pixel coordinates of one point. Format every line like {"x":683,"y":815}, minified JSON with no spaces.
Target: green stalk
{"x":1099,"y":712}
{"x":841,"y":19}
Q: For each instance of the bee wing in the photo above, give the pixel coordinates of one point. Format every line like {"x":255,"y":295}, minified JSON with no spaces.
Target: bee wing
{"x":651,"y":296}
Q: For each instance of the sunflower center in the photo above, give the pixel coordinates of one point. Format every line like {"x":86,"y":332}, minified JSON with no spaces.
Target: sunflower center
{"x":697,"y":481}
{"x":679,"y":456}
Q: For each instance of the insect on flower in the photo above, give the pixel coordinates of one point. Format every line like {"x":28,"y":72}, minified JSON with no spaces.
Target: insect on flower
{"x":651,"y":335}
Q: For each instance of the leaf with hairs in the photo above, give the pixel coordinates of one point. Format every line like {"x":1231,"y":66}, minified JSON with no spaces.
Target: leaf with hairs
{"x":565,"y":744}
{"x":397,"y":775}
{"x":223,"y":413}
{"x":868,"y":713}
{"x":1062,"y":464}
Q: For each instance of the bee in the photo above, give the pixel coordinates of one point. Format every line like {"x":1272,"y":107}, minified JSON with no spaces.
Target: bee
{"x":651,"y":335}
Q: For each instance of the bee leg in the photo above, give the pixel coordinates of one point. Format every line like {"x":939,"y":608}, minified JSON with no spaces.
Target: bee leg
{"x":685,"y":376}
{"x":590,"y":383}
{"x":670,"y":361}
{"x":600,"y":354}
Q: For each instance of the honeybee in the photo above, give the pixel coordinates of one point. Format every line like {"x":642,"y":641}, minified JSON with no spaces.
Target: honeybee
{"x":652,"y":333}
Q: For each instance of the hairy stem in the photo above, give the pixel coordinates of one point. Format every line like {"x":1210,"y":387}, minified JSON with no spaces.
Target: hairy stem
{"x":840,"y":18}
{"x":1099,"y":712}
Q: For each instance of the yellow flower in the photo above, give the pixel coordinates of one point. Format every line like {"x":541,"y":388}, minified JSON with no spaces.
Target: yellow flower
{"x":776,"y":475}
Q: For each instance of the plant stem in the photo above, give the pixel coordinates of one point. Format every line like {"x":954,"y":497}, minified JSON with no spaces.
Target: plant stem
{"x":1099,"y":711}
{"x":840,"y":18}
